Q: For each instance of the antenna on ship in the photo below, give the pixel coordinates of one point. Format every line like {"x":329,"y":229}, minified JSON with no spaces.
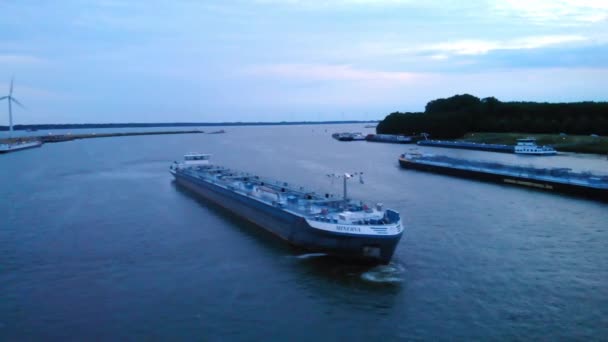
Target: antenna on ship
{"x":10,"y":99}
{"x":345,"y":177}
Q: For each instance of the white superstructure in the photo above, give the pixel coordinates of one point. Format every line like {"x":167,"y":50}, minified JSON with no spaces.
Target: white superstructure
{"x":195,"y":159}
{"x":358,"y":136}
{"x":528,"y":146}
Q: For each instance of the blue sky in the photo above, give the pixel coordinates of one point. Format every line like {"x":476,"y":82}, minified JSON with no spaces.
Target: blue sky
{"x":83,"y":61}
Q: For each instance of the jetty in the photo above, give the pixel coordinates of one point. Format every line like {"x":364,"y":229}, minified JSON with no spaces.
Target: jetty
{"x":20,"y":143}
{"x":51,"y":138}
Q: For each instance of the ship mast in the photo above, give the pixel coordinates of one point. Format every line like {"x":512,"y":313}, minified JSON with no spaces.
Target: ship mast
{"x":345,"y":177}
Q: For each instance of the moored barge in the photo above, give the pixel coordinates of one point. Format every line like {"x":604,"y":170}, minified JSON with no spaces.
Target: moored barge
{"x":526,"y":146}
{"x":561,"y":180}
{"x":466,"y":145}
{"x":347,"y":136}
{"x":389,"y":138}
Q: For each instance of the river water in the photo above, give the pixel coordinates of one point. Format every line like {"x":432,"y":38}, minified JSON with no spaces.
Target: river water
{"x":98,"y":242}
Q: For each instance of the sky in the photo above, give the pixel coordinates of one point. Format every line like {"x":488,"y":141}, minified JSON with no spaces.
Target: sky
{"x":85,"y":61}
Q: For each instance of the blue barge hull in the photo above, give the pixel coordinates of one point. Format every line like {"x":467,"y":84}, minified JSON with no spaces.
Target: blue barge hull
{"x":468,"y":146}
{"x":389,"y":138}
{"x":598,"y":192}
{"x":289,"y":227}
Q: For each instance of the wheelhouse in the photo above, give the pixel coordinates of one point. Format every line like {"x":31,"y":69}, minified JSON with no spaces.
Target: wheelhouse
{"x":196,"y":159}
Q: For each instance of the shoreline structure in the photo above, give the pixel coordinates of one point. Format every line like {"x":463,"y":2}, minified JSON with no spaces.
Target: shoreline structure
{"x":51,"y":138}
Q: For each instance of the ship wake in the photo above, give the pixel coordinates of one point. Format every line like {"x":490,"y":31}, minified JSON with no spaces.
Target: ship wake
{"x":384,"y":274}
{"x":310,"y":255}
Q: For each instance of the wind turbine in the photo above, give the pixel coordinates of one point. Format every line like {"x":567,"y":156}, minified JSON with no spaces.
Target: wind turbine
{"x":10,"y":99}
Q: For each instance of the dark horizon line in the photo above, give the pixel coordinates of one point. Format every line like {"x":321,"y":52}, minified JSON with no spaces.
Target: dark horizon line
{"x":180,"y":124}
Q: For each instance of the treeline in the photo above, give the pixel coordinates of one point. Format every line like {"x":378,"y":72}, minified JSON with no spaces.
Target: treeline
{"x":453,"y":117}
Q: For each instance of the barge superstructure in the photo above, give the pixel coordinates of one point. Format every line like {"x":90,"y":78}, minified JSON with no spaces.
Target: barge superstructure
{"x":529,"y":146}
{"x":341,"y":227}
{"x":551,"y":179}
{"x":524,"y":146}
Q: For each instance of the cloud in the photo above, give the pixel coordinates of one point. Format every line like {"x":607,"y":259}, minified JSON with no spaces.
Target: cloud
{"x":439,"y":57}
{"x":13,"y":59}
{"x":558,"y":11}
{"x":562,"y":12}
{"x":522,"y":84}
{"x":325,"y":72}
{"x":479,"y":47}
{"x":540,"y":12}
{"x":335,"y":3}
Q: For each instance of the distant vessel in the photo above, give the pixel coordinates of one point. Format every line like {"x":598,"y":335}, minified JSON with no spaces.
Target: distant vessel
{"x":221,"y":131}
{"x":346,"y":136}
{"x":389,"y":138}
{"x":358,"y":136}
{"x":13,"y":147}
{"x":466,"y":145}
{"x":524,"y":146}
{"x":319,"y":223}
{"x":555,"y":179}
{"x":528,"y":146}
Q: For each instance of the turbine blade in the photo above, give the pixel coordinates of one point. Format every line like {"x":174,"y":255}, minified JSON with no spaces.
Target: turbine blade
{"x":10,"y":92}
{"x":3,"y":97}
{"x":17,"y":102}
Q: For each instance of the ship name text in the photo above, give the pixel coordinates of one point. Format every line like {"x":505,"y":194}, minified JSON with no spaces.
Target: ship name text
{"x":348,"y":229}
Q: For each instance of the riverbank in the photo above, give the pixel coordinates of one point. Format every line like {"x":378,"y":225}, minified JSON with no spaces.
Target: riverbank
{"x":561,"y":142}
{"x":50,"y":138}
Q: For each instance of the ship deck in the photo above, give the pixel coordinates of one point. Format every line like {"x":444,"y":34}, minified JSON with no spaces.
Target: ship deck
{"x":558,"y":175}
{"x":468,"y":145}
{"x":294,"y":199}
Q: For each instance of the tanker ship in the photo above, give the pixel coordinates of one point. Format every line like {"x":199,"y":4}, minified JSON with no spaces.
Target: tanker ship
{"x":341,"y":227}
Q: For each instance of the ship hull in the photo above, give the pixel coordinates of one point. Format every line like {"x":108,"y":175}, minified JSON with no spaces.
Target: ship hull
{"x":537,"y":153}
{"x":476,"y":147}
{"x":293,"y":228}
{"x":540,"y":184}
{"x":389,"y":141}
